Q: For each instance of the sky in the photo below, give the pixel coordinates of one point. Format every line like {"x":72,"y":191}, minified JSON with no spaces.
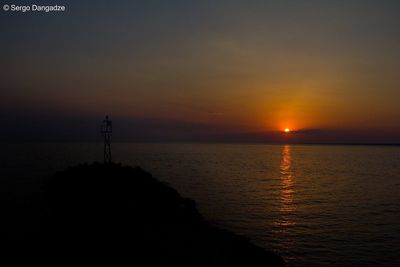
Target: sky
{"x":224,"y":71}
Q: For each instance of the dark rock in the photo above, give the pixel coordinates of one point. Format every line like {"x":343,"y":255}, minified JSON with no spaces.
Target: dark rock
{"x":113,"y":214}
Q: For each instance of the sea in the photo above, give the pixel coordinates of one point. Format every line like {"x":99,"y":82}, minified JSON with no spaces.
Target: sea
{"x":315,"y":205}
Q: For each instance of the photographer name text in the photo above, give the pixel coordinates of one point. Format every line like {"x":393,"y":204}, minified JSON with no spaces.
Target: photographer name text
{"x":34,"y":8}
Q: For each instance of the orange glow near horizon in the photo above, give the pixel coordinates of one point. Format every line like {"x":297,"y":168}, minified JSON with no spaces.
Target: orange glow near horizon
{"x":287,"y":130}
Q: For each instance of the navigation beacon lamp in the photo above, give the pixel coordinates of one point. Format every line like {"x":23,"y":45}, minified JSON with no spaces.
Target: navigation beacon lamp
{"x":106,"y":131}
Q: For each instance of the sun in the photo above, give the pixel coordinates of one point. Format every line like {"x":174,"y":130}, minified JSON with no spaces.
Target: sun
{"x":286,"y":130}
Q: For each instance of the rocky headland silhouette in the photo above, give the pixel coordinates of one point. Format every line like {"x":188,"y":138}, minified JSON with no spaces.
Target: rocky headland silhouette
{"x":114,"y":214}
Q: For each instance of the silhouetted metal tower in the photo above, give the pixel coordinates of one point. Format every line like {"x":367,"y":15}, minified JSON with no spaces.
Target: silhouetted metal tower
{"x":106,"y":131}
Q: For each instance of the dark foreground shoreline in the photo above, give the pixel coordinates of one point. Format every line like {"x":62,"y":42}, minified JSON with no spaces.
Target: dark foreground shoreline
{"x":109,"y":213}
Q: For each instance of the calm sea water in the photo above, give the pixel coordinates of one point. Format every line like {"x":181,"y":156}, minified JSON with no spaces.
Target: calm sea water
{"x":314,"y":205}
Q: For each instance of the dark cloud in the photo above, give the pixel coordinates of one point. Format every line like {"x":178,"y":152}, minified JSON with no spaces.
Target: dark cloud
{"x":45,"y":127}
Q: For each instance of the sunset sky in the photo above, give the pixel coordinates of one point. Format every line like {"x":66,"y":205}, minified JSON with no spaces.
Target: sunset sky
{"x":204,"y":70}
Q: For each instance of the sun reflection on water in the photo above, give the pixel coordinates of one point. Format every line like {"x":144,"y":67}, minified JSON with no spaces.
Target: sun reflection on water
{"x":287,"y":192}
{"x":287,"y":182}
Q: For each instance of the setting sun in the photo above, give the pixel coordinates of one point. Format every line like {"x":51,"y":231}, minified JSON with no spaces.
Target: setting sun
{"x":287,"y":130}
